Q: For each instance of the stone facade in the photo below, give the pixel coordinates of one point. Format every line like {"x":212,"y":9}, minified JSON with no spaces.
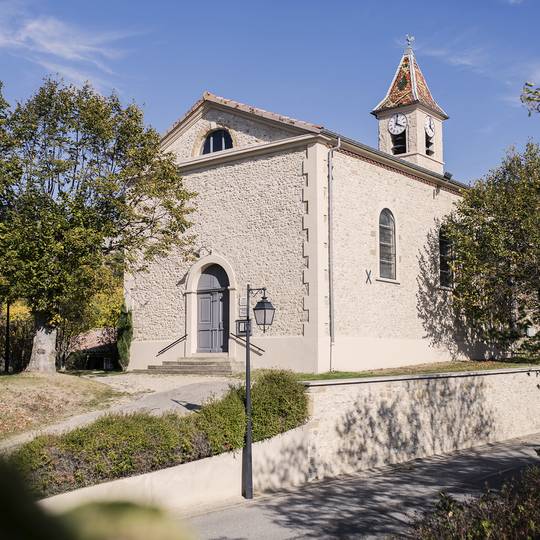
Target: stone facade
{"x":378,"y":321}
{"x":249,"y":217}
{"x":244,"y":131}
{"x":262,"y":212}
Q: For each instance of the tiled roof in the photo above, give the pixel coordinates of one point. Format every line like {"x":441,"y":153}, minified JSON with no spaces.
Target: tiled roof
{"x":92,"y":339}
{"x":408,"y":87}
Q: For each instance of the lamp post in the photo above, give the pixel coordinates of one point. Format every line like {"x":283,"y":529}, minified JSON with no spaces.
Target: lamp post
{"x":264,"y":316}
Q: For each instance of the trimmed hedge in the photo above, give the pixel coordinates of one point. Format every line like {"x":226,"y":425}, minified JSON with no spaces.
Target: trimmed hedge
{"x":512,"y":512}
{"x":117,"y":446}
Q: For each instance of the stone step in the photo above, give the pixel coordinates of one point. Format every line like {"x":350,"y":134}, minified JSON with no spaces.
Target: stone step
{"x":172,"y":363}
{"x":193,"y":368}
{"x":197,"y":365}
{"x":180,"y":371}
{"x":196,"y":359}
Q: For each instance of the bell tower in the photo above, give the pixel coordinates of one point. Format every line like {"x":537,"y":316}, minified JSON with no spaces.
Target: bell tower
{"x":410,"y":121}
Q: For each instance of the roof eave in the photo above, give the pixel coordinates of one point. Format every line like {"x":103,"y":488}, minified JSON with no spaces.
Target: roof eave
{"x":401,"y":163}
{"x":208,"y":98}
{"x":439,"y":111}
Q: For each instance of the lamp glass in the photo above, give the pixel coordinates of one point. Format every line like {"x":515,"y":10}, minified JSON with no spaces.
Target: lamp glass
{"x":264,"y":312}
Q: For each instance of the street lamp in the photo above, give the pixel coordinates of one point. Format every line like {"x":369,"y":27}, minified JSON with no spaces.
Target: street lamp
{"x":264,"y":312}
{"x":264,"y":316}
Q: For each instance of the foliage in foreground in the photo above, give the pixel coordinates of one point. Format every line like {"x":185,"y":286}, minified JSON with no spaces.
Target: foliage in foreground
{"x":512,"y":512}
{"x":116,"y":446}
{"x":495,"y":234}
{"x":22,"y":517}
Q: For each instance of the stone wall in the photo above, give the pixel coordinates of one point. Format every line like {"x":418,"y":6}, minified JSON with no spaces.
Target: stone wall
{"x":380,"y":323}
{"x":355,"y":425}
{"x":362,"y":424}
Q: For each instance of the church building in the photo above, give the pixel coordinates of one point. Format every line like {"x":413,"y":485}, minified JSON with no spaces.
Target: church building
{"x":344,"y":237}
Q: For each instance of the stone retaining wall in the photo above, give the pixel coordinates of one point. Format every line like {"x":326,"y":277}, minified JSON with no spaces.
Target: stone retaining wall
{"x":355,"y":424}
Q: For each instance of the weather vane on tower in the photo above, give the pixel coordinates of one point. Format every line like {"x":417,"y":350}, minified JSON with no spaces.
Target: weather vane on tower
{"x":410,"y":40}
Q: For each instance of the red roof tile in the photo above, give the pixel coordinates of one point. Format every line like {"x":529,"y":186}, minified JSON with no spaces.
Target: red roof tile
{"x":408,"y":87}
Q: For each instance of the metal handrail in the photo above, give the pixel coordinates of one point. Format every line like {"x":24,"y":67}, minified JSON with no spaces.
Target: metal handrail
{"x":171,"y":345}
{"x":252,"y":345}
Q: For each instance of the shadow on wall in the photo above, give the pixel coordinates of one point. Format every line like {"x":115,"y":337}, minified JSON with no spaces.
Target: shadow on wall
{"x":398,"y":422}
{"x":383,"y":424}
{"x":443,"y":327}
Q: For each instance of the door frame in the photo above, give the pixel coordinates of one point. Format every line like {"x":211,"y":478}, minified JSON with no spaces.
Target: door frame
{"x":190,"y":305}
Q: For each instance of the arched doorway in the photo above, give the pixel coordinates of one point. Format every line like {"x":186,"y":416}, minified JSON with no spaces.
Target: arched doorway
{"x":213,"y":310}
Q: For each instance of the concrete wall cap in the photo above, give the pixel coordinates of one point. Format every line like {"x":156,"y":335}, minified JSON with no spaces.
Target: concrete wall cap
{"x":448,"y":375}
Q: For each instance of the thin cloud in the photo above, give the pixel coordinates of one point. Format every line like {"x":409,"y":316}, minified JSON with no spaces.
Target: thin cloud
{"x":74,"y":75}
{"x":58,"y":46}
{"x":475,"y":58}
{"x":462,"y":52}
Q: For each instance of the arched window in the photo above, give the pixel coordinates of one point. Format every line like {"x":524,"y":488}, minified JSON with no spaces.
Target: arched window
{"x":387,"y":245}
{"x":216,"y":141}
{"x":446,"y":279}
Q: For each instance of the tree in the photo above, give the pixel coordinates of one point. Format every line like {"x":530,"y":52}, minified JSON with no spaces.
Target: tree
{"x":92,"y":187}
{"x":495,"y":234}
{"x":8,"y":173}
{"x":530,"y":97}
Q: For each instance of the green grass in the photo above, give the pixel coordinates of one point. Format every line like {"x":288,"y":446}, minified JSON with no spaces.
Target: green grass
{"x":420,"y":369}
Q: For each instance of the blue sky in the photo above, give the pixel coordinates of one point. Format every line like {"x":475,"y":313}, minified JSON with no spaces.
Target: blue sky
{"x":325,"y":62}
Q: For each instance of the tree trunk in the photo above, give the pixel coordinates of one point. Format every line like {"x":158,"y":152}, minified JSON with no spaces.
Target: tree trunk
{"x":43,"y":357}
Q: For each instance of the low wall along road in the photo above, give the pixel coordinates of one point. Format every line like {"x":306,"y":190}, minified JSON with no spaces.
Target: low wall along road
{"x":355,"y":424}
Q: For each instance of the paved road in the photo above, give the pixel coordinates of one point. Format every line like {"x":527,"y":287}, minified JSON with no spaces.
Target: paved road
{"x":182,"y":400}
{"x":367,"y":505}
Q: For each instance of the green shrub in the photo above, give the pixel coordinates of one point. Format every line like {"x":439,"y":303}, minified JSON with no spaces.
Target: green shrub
{"x":125,"y":335}
{"x":112,"y":447}
{"x":280,"y":403}
{"x":223,"y":422}
{"x":121,"y":520}
{"x":117,"y":446}
{"x":512,"y":512}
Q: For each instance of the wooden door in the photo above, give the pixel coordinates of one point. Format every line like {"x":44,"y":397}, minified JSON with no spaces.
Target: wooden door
{"x":213,"y":312}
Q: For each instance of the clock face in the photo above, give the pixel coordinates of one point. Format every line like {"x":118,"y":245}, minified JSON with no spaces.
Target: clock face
{"x":397,"y":124}
{"x":429,"y":126}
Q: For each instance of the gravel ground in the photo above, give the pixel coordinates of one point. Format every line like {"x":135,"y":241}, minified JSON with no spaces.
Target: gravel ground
{"x":135,"y":383}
